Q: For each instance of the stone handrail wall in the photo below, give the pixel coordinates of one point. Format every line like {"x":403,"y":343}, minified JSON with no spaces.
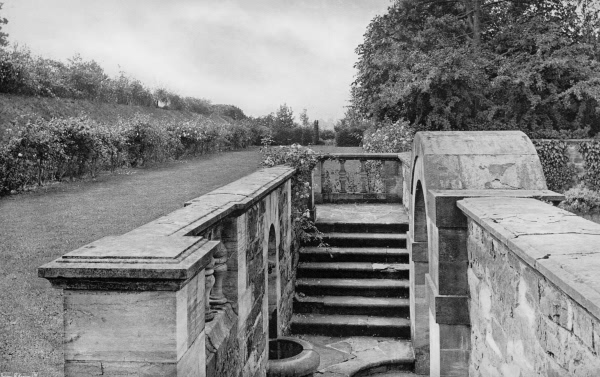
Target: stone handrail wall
{"x":185,"y":294}
{"x":534,"y":289}
{"x":355,"y":181}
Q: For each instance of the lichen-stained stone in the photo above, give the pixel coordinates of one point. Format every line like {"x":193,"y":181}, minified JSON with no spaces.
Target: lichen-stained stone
{"x":533,"y":301}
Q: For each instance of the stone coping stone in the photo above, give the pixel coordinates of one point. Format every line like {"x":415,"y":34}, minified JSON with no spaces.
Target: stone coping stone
{"x":560,"y":245}
{"x":118,"y":261}
{"x":474,"y":143}
{"x":166,"y":249}
{"x":443,"y":210}
{"x":361,"y":156}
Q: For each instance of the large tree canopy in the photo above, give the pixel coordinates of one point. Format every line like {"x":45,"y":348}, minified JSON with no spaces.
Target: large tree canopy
{"x":532,"y":65}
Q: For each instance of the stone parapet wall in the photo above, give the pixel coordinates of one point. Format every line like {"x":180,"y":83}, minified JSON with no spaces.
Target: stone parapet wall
{"x":534,"y":289}
{"x":136,"y":304}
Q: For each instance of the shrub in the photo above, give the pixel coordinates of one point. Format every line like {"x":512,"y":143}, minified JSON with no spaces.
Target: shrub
{"x":581,"y":200}
{"x":303,"y":160}
{"x":390,"y":138}
{"x":555,"y":164}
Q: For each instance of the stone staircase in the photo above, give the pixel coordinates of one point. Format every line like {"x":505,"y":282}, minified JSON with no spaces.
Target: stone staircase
{"x":359,"y":286}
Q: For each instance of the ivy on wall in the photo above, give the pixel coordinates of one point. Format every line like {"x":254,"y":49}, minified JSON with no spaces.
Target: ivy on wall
{"x":553,"y":155}
{"x":591,"y":156}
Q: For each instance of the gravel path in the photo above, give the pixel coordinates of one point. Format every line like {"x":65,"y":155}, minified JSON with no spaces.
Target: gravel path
{"x":38,"y":227}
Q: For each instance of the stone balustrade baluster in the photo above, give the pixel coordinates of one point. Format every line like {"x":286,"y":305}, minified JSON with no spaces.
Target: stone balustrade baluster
{"x":209,"y":282}
{"x":343,"y":177}
{"x":220,"y":269}
{"x":364,"y":180}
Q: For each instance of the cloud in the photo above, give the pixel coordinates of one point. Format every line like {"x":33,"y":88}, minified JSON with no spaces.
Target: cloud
{"x":255,"y":54}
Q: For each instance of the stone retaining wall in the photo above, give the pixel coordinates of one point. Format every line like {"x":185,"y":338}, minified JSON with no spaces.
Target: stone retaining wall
{"x":534,"y":289}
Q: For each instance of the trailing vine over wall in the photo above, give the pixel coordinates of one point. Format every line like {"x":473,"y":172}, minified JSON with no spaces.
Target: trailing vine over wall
{"x":303,"y":160}
{"x":591,"y":155}
{"x":555,"y":163}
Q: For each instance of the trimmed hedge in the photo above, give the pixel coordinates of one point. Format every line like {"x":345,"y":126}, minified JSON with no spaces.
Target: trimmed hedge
{"x":38,"y":151}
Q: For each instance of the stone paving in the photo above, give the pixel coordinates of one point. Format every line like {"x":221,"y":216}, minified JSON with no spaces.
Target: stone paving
{"x":345,"y":356}
{"x":361,"y":213}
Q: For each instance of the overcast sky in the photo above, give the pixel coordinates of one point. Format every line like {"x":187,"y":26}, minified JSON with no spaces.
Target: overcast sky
{"x":255,"y":54}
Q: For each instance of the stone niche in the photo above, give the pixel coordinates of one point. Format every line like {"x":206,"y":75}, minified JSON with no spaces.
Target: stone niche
{"x":185,"y":294}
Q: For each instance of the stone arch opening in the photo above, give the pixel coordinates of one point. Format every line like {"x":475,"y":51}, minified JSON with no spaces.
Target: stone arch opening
{"x":419,"y":261}
{"x":273,"y":283}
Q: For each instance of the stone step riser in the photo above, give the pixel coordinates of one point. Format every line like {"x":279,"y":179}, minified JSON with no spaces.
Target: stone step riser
{"x":329,"y":329}
{"x":402,"y":292}
{"x":340,"y":257}
{"x":349,"y":242}
{"x":353,"y":274}
{"x":362,"y":228}
{"x":386,"y":311}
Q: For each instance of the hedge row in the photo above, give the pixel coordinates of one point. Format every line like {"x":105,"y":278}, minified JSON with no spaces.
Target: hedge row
{"x":23,"y":73}
{"x":38,"y":151}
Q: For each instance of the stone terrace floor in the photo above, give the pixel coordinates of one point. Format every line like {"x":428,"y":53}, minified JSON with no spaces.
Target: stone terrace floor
{"x":342,"y":357}
{"x":361,"y":213}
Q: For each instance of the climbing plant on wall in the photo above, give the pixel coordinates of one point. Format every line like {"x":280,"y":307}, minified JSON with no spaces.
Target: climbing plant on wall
{"x":303,"y":160}
{"x":591,"y":155}
{"x":555,"y":163}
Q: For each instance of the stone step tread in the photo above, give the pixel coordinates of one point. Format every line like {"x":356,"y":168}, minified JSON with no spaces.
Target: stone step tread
{"x":361,"y":221}
{"x":353,"y":266}
{"x":350,"y":320}
{"x":353,"y":250}
{"x":354,"y":301}
{"x":366,"y":236}
{"x":356,"y":283}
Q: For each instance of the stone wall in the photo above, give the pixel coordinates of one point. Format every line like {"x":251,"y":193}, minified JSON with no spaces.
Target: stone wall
{"x":138,"y":304}
{"x":534,"y":289}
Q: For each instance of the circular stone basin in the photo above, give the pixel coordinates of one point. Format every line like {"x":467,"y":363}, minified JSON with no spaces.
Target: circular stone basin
{"x":291,"y":357}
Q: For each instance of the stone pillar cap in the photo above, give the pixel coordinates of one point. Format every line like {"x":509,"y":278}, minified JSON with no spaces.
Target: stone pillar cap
{"x":131,"y":261}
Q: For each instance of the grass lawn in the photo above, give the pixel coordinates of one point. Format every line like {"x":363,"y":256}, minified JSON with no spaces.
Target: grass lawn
{"x":40,"y":226}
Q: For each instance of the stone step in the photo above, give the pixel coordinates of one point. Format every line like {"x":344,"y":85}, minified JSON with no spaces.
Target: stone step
{"x":355,"y":227}
{"x":352,"y":287}
{"x":397,"y":240}
{"x":353,"y":305}
{"x":353,"y":270}
{"x":350,"y":325}
{"x":353,"y":254}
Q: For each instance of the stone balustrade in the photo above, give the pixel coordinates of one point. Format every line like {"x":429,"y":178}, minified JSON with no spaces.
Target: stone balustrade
{"x":185,"y":294}
{"x":358,"y":177}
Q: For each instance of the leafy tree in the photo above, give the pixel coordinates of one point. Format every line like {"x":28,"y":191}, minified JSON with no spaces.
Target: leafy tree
{"x":483,"y":64}
{"x":3,"y":36}
{"x":284,"y":118}
{"x":304,"y":121}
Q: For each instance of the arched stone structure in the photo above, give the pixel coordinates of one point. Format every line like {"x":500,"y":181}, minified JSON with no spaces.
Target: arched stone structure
{"x":449,"y":166}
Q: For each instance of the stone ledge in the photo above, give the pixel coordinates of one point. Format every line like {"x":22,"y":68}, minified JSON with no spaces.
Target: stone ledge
{"x":559,"y":245}
{"x":165,"y":253}
{"x":128,"y":263}
{"x":443,"y":210}
{"x":361,"y":156}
